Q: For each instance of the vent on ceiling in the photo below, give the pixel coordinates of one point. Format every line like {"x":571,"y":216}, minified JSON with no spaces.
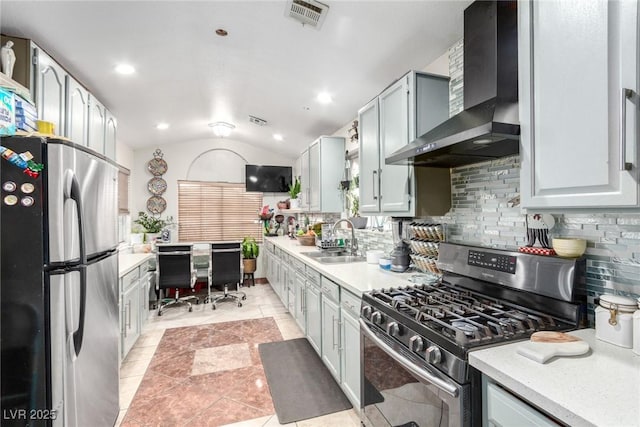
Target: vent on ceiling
{"x":257,"y":121}
{"x":309,"y":12}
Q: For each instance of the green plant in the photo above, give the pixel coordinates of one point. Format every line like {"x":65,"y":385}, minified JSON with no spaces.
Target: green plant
{"x":250,"y":248}
{"x":151,"y":224}
{"x":355,"y":204}
{"x":294,"y":188}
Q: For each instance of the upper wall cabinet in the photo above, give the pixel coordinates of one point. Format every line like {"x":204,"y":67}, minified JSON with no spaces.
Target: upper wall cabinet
{"x":411,"y":106}
{"x":326,"y":167}
{"x":578,"y":84}
{"x":62,"y":100}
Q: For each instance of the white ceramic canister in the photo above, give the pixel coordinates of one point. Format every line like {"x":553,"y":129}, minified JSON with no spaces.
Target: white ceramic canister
{"x":614,"y":320}
{"x":636,"y":330}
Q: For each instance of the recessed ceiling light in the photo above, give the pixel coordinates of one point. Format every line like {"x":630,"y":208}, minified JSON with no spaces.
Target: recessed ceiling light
{"x":125,"y":69}
{"x":162,"y":126}
{"x":277,"y":137}
{"x":221,"y":32}
{"x":324,"y":98}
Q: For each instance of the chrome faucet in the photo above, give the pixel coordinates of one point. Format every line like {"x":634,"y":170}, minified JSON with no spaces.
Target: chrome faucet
{"x":353,"y":243}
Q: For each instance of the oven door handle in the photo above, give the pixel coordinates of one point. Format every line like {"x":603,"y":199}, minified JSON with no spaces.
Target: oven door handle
{"x":423,"y":374}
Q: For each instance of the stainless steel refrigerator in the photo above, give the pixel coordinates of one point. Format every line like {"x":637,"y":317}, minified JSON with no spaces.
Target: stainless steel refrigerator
{"x":59,"y":329}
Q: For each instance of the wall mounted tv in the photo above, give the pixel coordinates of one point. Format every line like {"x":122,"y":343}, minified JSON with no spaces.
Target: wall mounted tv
{"x":268,"y":179}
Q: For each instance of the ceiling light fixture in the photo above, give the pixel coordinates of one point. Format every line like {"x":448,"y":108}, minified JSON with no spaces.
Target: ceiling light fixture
{"x":324,"y":98}
{"x":221,"y":32}
{"x":162,"y":126}
{"x":221,"y":129}
{"x":278,"y":137}
{"x":125,"y":69}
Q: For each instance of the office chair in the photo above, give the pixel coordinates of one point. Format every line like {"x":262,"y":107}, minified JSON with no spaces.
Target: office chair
{"x":175,"y":271}
{"x":224,"y":269}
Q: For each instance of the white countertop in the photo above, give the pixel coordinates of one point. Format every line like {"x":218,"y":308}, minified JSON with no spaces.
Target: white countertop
{"x":356,"y":277}
{"x":127,"y":262}
{"x":600,"y":388}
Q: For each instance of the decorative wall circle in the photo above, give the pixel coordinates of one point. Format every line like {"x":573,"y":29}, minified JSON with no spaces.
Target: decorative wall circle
{"x":157,"y":186}
{"x":156,"y":204}
{"x":157,"y":166}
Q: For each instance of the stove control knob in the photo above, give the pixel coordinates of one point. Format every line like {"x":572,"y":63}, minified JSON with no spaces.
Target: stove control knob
{"x":376,"y":317}
{"x":433,"y":354}
{"x":366,"y":311}
{"x":416,"y":344}
{"x":393,"y":329}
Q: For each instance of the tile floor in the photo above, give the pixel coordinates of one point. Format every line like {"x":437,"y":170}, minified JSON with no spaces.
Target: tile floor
{"x":263,"y":312}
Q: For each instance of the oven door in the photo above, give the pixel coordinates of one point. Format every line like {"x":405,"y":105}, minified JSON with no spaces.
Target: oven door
{"x":400,"y":389}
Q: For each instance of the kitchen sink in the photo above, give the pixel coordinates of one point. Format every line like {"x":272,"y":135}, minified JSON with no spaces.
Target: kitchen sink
{"x":333,"y":257}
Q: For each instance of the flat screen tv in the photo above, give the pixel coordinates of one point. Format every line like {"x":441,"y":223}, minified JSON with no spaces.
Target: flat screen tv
{"x":268,"y":179}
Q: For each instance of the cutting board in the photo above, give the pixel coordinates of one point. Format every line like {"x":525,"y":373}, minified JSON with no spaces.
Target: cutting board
{"x":545,"y":345}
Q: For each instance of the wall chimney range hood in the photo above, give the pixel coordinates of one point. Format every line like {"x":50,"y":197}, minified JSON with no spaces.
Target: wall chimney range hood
{"x":488,"y":127}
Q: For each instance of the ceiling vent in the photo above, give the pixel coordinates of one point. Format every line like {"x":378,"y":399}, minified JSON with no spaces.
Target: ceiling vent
{"x":257,"y":121}
{"x":309,"y":12}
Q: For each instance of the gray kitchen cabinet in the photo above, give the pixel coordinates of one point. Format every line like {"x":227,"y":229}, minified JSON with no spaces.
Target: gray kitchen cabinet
{"x":305,"y":187}
{"x":145,"y":285}
{"x":331,"y":337}
{"x":502,"y":408}
{"x":299,"y":310}
{"x":50,"y":89}
{"x":350,"y":346}
{"x":578,"y":87}
{"x":326,"y":167}
{"x":286,"y":277}
{"x":77,"y":113}
{"x":97,"y":125}
{"x":409,"y":107}
{"x":314,"y":324}
{"x":130,"y":311}
{"x":111,"y":128}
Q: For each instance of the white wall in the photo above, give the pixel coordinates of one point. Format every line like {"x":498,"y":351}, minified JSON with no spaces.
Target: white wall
{"x":179,"y":157}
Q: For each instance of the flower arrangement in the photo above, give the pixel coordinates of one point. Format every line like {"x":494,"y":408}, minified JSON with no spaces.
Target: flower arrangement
{"x":152,"y":224}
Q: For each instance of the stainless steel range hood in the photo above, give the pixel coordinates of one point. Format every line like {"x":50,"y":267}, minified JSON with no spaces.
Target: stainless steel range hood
{"x":489,"y":127}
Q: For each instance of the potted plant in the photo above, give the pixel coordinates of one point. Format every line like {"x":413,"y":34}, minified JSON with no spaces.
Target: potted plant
{"x":359,"y":222}
{"x":294,"y":190}
{"x":152,"y":225}
{"x":250,"y":251}
{"x":137,"y":234}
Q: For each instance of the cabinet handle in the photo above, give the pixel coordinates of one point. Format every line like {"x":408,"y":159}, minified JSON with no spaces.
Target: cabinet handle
{"x":626,"y":94}
{"x":374,"y":185}
{"x":340,"y":348}
{"x":333,"y":331}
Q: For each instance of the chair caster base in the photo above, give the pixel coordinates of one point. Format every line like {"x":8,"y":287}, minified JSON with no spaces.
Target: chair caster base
{"x":239,"y":304}
{"x":213,"y":307}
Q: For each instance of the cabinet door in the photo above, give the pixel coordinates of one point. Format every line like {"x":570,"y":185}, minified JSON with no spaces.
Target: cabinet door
{"x":97,"y":123}
{"x":77,"y":112}
{"x":314,"y":325}
{"x":50,"y":87}
{"x":575,"y":61}
{"x":299,"y":310}
{"x":331,"y":173}
{"x":331,"y":337}
{"x":305,"y":189}
{"x":314,"y":177}
{"x":145,"y":283}
{"x":130,"y":318}
{"x":504,"y":409}
{"x":395,"y":182}
{"x":110,"y":136}
{"x":368,"y":134}
{"x":350,"y":356}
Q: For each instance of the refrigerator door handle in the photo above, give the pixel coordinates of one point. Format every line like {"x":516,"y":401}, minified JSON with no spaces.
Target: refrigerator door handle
{"x":72,"y":191}
{"x":78,"y":334}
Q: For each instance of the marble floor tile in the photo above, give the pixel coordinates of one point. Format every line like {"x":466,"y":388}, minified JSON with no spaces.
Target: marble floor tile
{"x":222,"y":358}
{"x":174,"y":357}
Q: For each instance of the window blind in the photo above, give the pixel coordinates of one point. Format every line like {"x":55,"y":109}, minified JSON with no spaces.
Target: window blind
{"x":123,"y":190}
{"x":217,"y":211}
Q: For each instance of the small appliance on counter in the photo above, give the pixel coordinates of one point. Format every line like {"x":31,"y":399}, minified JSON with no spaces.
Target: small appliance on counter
{"x":400,"y":254}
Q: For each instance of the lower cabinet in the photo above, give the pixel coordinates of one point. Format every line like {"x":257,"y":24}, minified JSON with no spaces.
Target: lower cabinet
{"x":145,"y":284}
{"x":314,"y":324}
{"x":299,"y":310}
{"x":331,"y":336}
{"x":504,"y":409}
{"x":350,"y":346}
{"x":130,"y":316}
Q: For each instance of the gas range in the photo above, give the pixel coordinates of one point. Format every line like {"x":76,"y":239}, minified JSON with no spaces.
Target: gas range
{"x":486,"y":297}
